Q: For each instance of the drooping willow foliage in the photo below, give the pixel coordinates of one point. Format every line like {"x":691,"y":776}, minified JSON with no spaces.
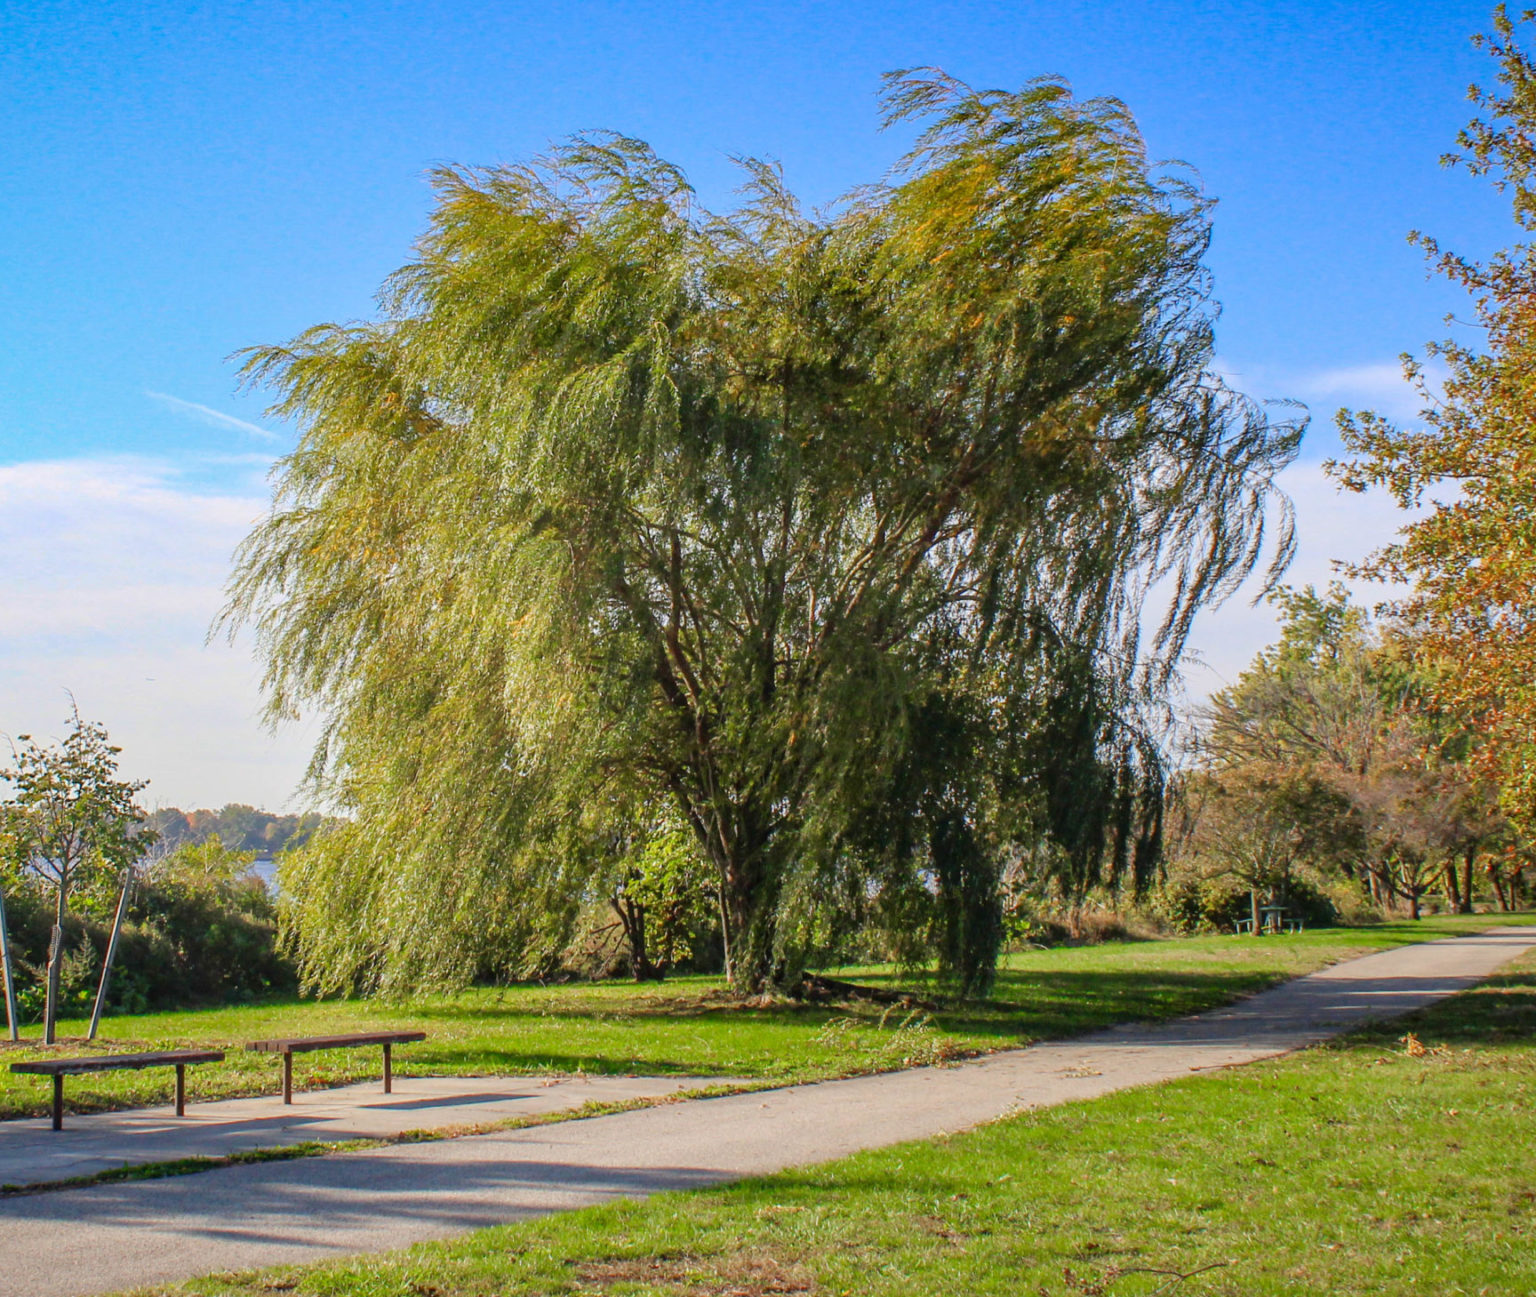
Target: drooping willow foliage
{"x":836,"y":532}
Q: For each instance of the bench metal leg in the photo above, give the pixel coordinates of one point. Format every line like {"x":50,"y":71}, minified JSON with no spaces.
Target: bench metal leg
{"x":288,"y":1078}
{"x":58,"y":1101}
{"x":388,"y":1077}
{"x":181,"y":1089}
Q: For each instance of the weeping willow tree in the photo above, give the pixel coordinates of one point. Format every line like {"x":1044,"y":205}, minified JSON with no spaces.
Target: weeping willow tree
{"x":834,"y":531}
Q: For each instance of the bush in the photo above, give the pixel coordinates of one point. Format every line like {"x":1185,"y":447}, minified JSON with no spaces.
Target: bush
{"x":1192,"y":903}
{"x":1307,"y":901}
{"x":199,"y":932}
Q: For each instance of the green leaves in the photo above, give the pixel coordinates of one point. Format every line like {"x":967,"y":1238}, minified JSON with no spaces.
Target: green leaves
{"x":626,"y":502}
{"x":70,"y":820}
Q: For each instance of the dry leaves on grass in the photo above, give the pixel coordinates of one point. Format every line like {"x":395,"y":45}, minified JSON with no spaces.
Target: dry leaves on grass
{"x":754,"y":1275}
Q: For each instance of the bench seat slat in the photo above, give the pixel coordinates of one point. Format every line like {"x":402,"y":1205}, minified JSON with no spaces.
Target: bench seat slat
{"x":303,"y":1044}
{"x":112,"y":1062}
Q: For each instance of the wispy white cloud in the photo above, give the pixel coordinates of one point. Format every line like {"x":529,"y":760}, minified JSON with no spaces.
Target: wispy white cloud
{"x":111,"y":546}
{"x":207,"y":414}
{"x":1377,"y":385}
{"x":1381,"y":387}
{"x":1332,"y":527}
{"x":114,"y":569}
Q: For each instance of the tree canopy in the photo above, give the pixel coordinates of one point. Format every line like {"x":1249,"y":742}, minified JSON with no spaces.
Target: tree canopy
{"x":1469,"y":465}
{"x":1331,"y":750}
{"x":865,"y":540}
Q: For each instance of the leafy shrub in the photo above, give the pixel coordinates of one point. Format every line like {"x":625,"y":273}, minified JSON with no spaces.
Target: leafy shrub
{"x":1191,"y":903}
{"x":201,"y":930}
{"x":1194,"y":904}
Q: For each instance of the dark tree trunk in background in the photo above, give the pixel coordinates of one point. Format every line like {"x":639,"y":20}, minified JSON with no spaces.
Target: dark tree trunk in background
{"x":970,"y":907}
{"x":632,"y":920}
{"x":1497,"y":879}
{"x":1453,"y":887}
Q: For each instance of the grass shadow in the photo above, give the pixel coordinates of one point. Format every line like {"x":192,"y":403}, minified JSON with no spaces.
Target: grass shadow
{"x":1500,"y":1011}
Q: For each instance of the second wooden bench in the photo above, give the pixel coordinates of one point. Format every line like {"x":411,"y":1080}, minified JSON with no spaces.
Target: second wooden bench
{"x":288,"y":1046}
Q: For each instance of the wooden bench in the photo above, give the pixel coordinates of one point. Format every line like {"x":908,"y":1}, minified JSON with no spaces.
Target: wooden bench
{"x":59,"y":1068}
{"x":291,"y":1045}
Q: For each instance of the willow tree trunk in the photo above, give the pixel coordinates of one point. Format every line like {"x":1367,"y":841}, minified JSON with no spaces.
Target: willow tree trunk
{"x":740,"y":850}
{"x":750,"y":896}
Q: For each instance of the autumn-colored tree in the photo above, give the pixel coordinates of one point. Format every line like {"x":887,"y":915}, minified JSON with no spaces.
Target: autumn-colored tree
{"x":1259,"y":823}
{"x":1470,"y":465}
{"x":1332,"y":738}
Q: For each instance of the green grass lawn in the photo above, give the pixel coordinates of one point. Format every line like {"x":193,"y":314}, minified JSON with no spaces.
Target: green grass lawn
{"x":690,"y":1026}
{"x":1365,"y":1166}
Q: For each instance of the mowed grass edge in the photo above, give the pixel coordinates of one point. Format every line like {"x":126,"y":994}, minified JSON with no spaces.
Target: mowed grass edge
{"x":1389,"y":1161}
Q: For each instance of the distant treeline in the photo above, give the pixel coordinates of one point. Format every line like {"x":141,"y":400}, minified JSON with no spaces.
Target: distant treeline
{"x":238,"y":827}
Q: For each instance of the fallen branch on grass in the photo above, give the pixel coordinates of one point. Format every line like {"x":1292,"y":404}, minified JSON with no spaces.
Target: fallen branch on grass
{"x":1100,"y":1287}
{"x":818,"y":989}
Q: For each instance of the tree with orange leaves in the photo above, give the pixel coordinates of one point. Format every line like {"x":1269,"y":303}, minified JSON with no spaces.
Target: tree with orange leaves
{"x":1471,"y":465}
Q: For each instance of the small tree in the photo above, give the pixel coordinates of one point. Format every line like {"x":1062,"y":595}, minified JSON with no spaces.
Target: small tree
{"x":71,"y":823}
{"x":1259,"y":825}
{"x":205,"y":866}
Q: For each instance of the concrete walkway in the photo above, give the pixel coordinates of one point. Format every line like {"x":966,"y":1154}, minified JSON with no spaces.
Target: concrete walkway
{"x":32,"y":1152}
{"x":116,"y":1236}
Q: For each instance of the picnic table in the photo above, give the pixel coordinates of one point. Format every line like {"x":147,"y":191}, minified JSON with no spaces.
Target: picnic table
{"x":288,"y":1046}
{"x":1272,"y":920}
{"x":59,"y":1068}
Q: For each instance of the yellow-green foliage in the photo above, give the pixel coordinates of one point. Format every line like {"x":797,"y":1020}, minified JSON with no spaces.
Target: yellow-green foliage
{"x":622,"y":501}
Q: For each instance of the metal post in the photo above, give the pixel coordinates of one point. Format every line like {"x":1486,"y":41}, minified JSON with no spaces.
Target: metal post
{"x":288,"y":1076}
{"x":58,"y":1100}
{"x":387,"y":1077}
{"x":11,"y":1019}
{"x":106,"y":968}
{"x":181,"y":1089}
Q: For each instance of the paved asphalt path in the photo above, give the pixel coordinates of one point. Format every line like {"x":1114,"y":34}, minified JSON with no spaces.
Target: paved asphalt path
{"x":32,"y":1152}
{"x":111,"y":1237}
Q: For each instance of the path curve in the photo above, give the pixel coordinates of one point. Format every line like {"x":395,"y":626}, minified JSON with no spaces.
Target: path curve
{"x":110,"y":1237}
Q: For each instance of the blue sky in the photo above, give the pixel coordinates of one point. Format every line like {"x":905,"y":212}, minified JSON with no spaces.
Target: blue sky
{"x":180,"y":181}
